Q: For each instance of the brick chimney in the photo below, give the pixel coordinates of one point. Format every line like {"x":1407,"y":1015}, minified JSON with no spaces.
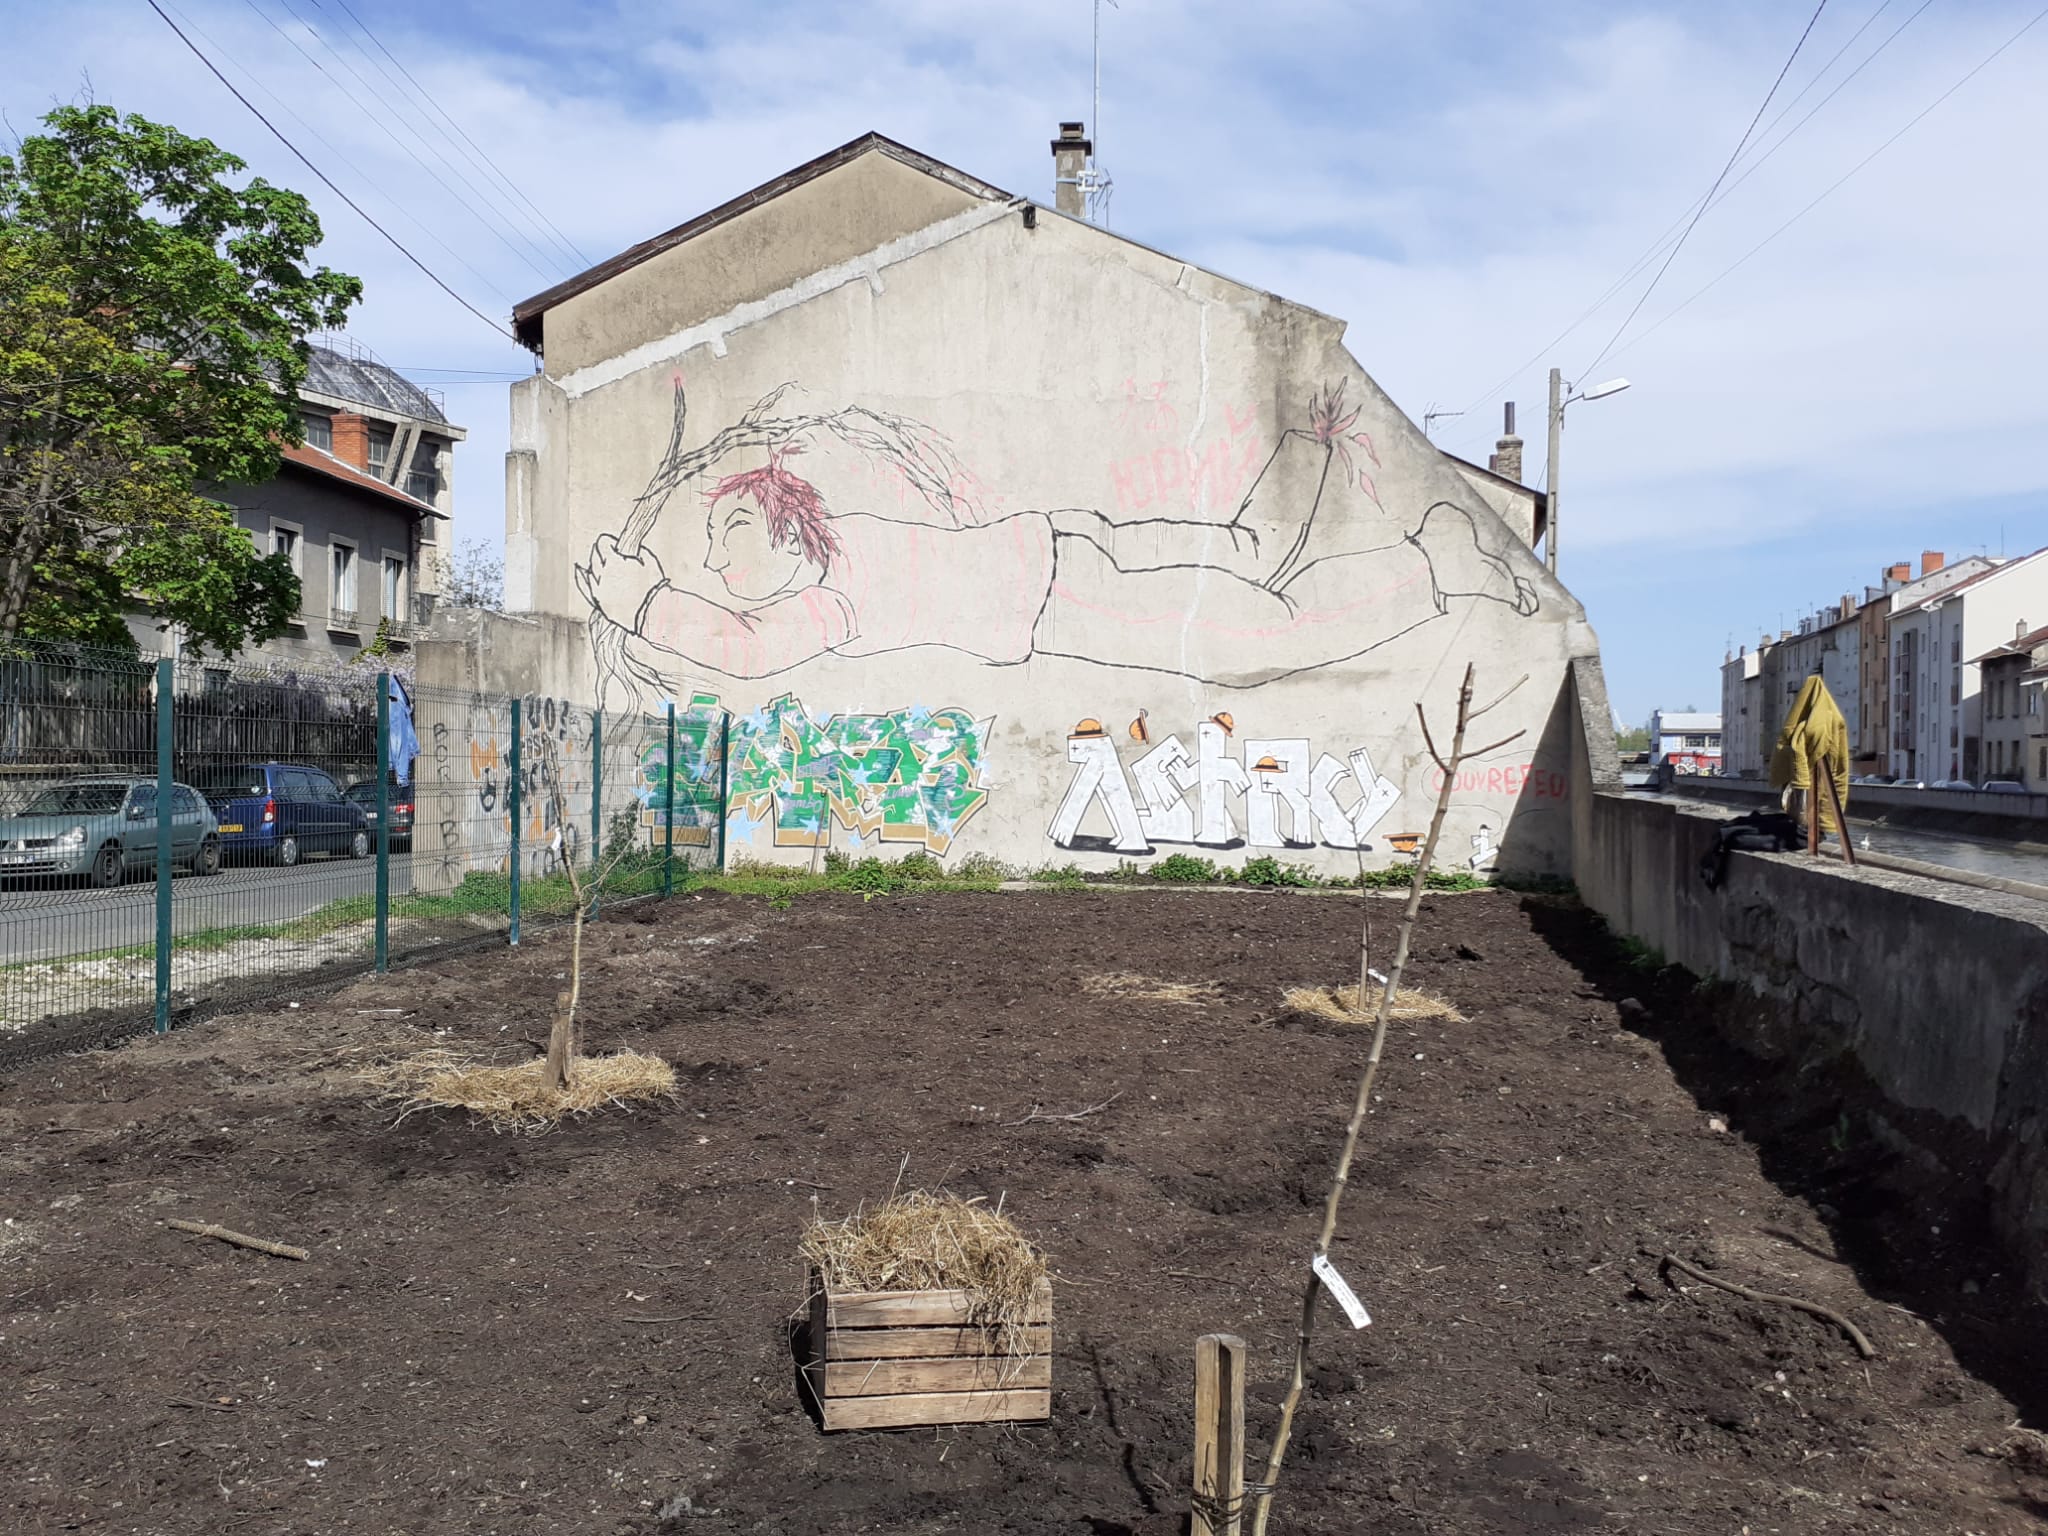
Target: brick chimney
{"x":1506,"y":458}
{"x":1931,"y":560}
{"x":1903,"y":571}
{"x":352,"y":439}
{"x":1070,"y":152}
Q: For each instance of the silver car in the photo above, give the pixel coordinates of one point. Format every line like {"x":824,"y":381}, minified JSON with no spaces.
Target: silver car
{"x":101,"y":828}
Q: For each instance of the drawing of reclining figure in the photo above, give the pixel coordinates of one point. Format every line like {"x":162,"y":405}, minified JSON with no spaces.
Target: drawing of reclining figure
{"x":1264,"y":595}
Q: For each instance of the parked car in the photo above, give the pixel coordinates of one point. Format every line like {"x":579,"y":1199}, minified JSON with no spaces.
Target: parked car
{"x":1908,"y":784}
{"x":1951,"y":784}
{"x":100,"y":828}
{"x":2003,"y":787}
{"x":364,"y":794}
{"x":282,"y":812}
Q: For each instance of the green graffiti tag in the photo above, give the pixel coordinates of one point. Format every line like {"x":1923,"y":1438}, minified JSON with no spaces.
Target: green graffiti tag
{"x":910,"y":776}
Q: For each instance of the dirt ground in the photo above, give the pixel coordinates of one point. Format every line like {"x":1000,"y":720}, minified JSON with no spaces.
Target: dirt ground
{"x":586,"y":1331}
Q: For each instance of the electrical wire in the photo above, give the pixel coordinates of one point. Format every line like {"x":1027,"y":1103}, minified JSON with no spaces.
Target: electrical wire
{"x":372,"y":115}
{"x":1762,"y":107}
{"x":326,"y":180}
{"x":1982,"y":65}
{"x":321,"y":139}
{"x":562,"y":240}
{"x":1704,"y":203}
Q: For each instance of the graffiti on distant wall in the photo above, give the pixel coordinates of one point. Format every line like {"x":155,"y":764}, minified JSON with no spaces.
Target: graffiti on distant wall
{"x":1291,"y":796}
{"x":912,"y":776}
{"x":787,"y":551}
{"x":464,"y":793}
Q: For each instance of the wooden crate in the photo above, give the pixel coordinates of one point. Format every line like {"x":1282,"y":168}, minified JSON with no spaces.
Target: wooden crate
{"x":892,"y":1359}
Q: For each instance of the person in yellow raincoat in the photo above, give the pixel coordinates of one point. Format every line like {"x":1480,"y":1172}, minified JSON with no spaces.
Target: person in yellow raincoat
{"x":1814,"y":740}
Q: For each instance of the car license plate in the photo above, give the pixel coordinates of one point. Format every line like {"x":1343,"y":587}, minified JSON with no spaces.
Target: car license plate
{"x":17,"y":858}
{"x":231,"y":826}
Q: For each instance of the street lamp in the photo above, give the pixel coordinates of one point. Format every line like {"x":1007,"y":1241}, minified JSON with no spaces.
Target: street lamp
{"x":1562,"y":395}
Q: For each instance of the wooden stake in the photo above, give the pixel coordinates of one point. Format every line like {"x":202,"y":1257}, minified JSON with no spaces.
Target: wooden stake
{"x":1841,"y":821}
{"x":1219,"y":1435}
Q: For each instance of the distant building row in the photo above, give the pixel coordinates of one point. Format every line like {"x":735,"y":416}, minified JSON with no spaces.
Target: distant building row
{"x":1939,"y":676}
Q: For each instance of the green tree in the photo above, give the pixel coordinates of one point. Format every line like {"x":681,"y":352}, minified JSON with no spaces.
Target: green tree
{"x":152,"y":339}
{"x":1635,"y":738}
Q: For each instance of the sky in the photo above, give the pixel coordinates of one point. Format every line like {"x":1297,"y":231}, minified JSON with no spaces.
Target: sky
{"x":1481,"y":190}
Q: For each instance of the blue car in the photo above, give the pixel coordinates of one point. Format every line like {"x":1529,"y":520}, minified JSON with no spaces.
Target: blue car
{"x":280,"y":812}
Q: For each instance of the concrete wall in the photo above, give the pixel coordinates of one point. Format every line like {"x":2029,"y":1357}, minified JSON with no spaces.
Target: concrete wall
{"x":1940,"y":992}
{"x":1881,"y":802}
{"x":1111,"y":556}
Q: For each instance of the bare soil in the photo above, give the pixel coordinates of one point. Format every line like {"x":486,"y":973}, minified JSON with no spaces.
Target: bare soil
{"x":588,"y":1331}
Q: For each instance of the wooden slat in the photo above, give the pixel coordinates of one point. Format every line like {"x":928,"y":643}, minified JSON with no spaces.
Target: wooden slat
{"x":924,"y":1408}
{"x":928,"y":1343}
{"x":885,"y":1378}
{"x":920,"y":1309}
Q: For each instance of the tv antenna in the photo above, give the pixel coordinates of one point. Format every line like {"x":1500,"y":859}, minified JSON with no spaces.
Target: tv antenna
{"x":1096,"y":184}
{"x":1432,"y":416}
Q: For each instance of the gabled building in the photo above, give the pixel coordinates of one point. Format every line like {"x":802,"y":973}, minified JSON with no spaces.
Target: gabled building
{"x":357,"y":509}
{"x":999,"y":531}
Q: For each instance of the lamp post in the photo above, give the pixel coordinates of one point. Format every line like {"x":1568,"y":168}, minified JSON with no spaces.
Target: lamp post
{"x":1562,"y":395}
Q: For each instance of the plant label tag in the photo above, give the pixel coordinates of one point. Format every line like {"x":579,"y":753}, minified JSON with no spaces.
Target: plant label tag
{"x":1340,"y":1290}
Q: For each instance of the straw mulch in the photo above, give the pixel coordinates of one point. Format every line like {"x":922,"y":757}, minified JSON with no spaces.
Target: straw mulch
{"x":1340,"y":1004}
{"x":1151,"y":989}
{"x":516,"y":1097}
{"x":920,"y":1241}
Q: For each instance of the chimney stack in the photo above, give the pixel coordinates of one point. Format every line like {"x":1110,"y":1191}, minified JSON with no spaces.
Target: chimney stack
{"x":352,"y":439}
{"x":1507,"y":453}
{"x":1931,"y":560}
{"x":1903,"y":571}
{"x":1070,"y":152}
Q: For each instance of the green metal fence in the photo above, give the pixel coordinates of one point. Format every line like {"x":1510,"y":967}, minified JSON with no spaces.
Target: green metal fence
{"x":178,"y":836}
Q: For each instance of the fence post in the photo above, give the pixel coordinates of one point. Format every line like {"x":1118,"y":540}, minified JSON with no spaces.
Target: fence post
{"x":1219,"y":1435}
{"x":166,"y":676}
{"x":512,"y":794}
{"x":724,"y":781}
{"x":383,"y":822}
{"x":596,"y":801}
{"x":668,"y":808}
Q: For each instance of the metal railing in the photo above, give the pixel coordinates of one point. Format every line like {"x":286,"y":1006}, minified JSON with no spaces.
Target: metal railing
{"x":178,"y":836}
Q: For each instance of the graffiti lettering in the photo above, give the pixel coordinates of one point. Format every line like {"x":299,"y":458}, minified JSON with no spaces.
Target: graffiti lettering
{"x":1507,"y":779}
{"x":910,"y":776}
{"x":1276,"y":777}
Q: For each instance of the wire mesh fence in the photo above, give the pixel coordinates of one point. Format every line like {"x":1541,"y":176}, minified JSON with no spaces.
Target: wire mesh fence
{"x":183,"y":835}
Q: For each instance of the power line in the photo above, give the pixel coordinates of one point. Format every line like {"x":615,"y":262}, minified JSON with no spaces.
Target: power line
{"x":322,"y":140}
{"x":383,"y":126}
{"x":1644,"y":297}
{"x":1706,"y":203}
{"x":1983,"y":64}
{"x":300,"y":154}
{"x":427,"y":96}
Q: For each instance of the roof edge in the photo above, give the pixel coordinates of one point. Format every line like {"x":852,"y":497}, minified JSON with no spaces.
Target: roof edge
{"x":527,"y":313}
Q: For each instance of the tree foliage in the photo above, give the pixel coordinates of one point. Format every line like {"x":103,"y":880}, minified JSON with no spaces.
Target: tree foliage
{"x":152,"y":340}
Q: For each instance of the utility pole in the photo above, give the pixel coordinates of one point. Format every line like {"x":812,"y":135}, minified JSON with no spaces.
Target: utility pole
{"x":1550,"y":470}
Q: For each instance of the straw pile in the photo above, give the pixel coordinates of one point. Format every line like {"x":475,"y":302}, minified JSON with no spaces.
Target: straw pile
{"x":1130,"y":986}
{"x":517,"y":1097}
{"x":921,"y":1241}
{"x":1340,"y":1004}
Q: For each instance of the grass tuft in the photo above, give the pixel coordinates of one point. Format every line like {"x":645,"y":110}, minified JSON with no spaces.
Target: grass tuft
{"x":1340,"y":1005}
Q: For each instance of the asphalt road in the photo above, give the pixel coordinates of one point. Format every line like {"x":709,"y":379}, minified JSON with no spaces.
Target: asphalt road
{"x":46,"y":923}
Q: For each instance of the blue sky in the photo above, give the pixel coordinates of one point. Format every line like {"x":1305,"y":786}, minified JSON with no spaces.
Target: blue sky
{"x":1462,"y":182}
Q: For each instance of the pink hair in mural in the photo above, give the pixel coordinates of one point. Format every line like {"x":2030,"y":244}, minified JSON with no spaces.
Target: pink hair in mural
{"x":794,"y":509}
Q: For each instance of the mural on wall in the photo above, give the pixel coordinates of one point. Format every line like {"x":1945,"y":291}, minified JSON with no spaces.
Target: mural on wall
{"x":1291,"y":797}
{"x":789,"y":572}
{"x":464,"y":788}
{"x":910,"y":776}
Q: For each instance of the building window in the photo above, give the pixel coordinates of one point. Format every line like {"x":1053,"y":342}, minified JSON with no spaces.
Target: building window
{"x":393,"y":591}
{"x":287,"y":541}
{"x":341,"y":590}
{"x":319,"y":431}
{"x":423,"y":479}
{"x":380,"y":450}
